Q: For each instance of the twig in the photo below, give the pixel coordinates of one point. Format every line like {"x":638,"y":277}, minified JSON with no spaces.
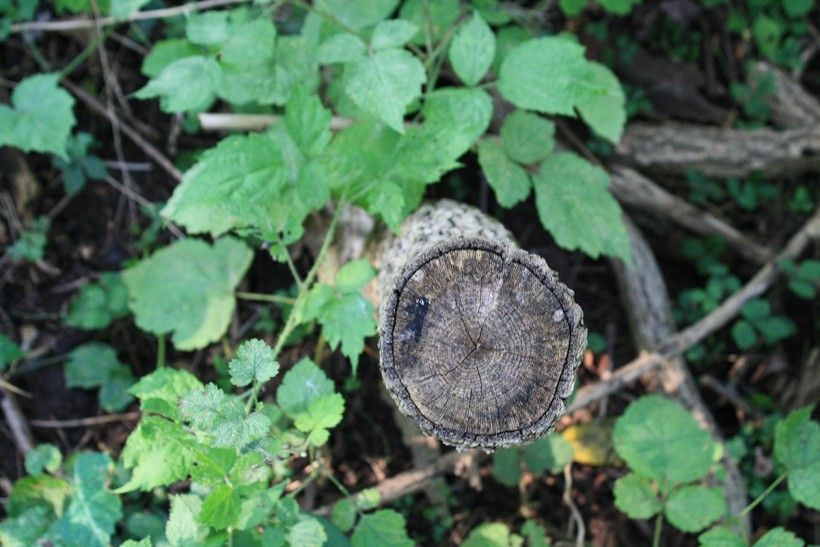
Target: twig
{"x":144,"y":202}
{"x":223,"y":121}
{"x":728,"y":393}
{"x":129,"y":132}
{"x":20,"y":432}
{"x":86,"y":23}
{"x":85,"y":422}
{"x":576,"y":514}
{"x":632,"y":188}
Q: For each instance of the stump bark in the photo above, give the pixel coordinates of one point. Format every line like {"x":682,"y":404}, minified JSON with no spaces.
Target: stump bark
{"x":479,"y":340}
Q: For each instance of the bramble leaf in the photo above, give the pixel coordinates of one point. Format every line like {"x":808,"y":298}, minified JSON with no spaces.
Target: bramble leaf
{"x":300,"y":386}
{"x":693,"y":508}
{"x":797,"y":446}
{"x":635,"y":497}
{"x":223,"y":417}
{"x":509,"y":181}
{"x":187,"y":289}
{"x":660,"y":440}
{"x":308,"y":532}
{"x":160,"y":391}
{"x":575,"y":206}
{"x":384,"y":527}
{"x":527,"y":137}
{"x":187,"y":84}
{"x":472,"y":50}
{"x":360,"y":14}
{"x":40,"y":117}
{"x":354,"y":275}
{"x":254,"y":361}
{"x":341,"y":48}
{"x":324,"y":413}
{"x":221,"y":508}
{"x":183,"y":527}
{"x":605,"y":112}
{"x":393,"y":33}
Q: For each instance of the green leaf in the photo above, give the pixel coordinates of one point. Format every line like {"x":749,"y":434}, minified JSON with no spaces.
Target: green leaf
{"x":506,"y":467}
{"x":45,"y":491}
{"x":341,"y":48}
{"x":509,"y":181}
{"x":720,"y":537}
{"x":160,"y":390}
{"x":166,"y":52}
{"x":207,"y":28}
{"x":32,"y":242}
{"x":662,"y":441}
{"x":385,"y":83}
{"x":775,"y":328}
{"x":354,"y":275}
{"x":26,"y":528}
{"x":158,"y":453}
{"x":96,"y":365}
{"x":344,"y":514}
{"x":120,"y":9}
{"x":308,"y":123}
{"x":254,"y":361}
{"x":43,"y":457}
{"x":301,"y":385}
{"x":635,"y":497}
{"x":221,"y":507}
{"x":693,"y":508}
{"x":324,"y":413}
{"x":604,"y":112}
{"x":9,"y":351}
{"x":249,"y":43}
{"x":572,"y":8}
{"x":93,"y":512}
{"x":797,"y":447}
{"x":767,"y":33}
{"x":346,"y":321}
{"x":779,"y":537}
{"x":394,"y":33}
{"x":196,"y":302}
{"x":535,"y":534}
{"x":743,"y":334}
{"x":575,"y":206}
{"x":98,"y":304}
{"x":472,"y":50}
{"x":440,"y":16}
{"x":146,"y":542}
{"x":308,"y":532}
{"x":548,"y":453}
{"x":798,"y":8}
{"x":40,"y":118}
{"x":489,"y":534}
{"x":223,"y":417}
{"x":183,"y":527}
{"x":756,"y":309}
{"x":527,"y":137}
{"x":618,"y":7}
{"x":359,"y":14}
{"x":384,"y":527}
{"x":185,"y":85}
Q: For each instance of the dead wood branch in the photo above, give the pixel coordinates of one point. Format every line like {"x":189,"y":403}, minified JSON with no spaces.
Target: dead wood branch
{"x":633,"y":189}
{"x":791,"y":105}
{"x":20,"y":432}
{"x":721,"y":152}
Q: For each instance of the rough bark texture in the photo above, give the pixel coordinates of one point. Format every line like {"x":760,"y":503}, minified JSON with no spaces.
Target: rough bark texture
{"x":791,"y":105}
{"x":718,"y":152}
{"x":479,"y":340}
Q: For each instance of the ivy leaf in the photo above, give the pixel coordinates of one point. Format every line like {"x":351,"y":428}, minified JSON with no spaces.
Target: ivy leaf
{"x":301,"y":385}
{"x":575,"y":206}
{"x":604,"y":112}
{"x":308,"y":532}
{"x":385,"y":83}
{"x":160,"y":390}
{"x":183,"y":527}
{"x":158,"y":452}
{"x":96,"y":365}
{"x":42,"y":457}
{"x":548,"y":453}
{"x":324,"y":413}
{"x":527,"y":137}
{"x":254,"y":361}
{"x":223,"y":417}
{"x":221,"y":508}
{"x":635,"y":497}
{"x":186,"y":85}
{"x":660,"y":440}
{"x":341,"y":48}
{"x":509,"y":181}
{"x":9,"y":351}
{"x":472,"y":50}
{"x":384,"y":527}
{"x":393,"y":33}
{"x":506,"y":467}
{"x":360,"y":14}
{"x":98,"y":304}
{"x":194,"y":303}
{"x":797,"y":446}
{"x":40,"y":118}
{"x":693,"y":508}
{"x":93,"y":512}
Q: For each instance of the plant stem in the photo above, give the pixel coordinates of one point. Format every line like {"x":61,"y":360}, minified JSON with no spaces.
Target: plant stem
{"x":656,"y":537}
{"x":293,"y":271}
{"x":84,"y":54}
{"x":762,"y":496}
{"x":260,"y":297}
{"x":161,"y":351}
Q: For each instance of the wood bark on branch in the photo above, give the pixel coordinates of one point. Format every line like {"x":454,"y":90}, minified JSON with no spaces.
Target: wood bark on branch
{"x":790,"y":104}
{"x":721,"y":152}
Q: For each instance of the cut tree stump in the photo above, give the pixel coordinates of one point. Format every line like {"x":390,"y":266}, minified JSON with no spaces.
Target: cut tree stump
{"x":479,"y":339}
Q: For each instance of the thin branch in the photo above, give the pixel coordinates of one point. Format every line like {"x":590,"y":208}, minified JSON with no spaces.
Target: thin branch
{"x":225,"y":121}
{"x":87,"y":23}
{"x":85,"y":422}
{"x":20,"y":432}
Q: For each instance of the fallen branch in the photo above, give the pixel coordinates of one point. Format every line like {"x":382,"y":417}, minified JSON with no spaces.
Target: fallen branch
{"x":632,"y":188}
{"x":791,"y":105}
{"x":721,"y":152}
{"x":87,"y":23}
{"x":227,"y":121}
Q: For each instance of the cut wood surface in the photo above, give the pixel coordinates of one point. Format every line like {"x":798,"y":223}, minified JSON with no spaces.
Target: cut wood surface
{"x":479,"y":339}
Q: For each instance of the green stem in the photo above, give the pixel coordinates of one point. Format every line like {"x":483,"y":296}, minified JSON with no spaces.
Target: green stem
{"x":161,"y":351}
{"x":84,"y":54}
{"x":260,"y":297}
{"x":293,"y":271}
{"x":762,"y":496}
{"x":656,"y":537}
{"x":329,"y":16}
